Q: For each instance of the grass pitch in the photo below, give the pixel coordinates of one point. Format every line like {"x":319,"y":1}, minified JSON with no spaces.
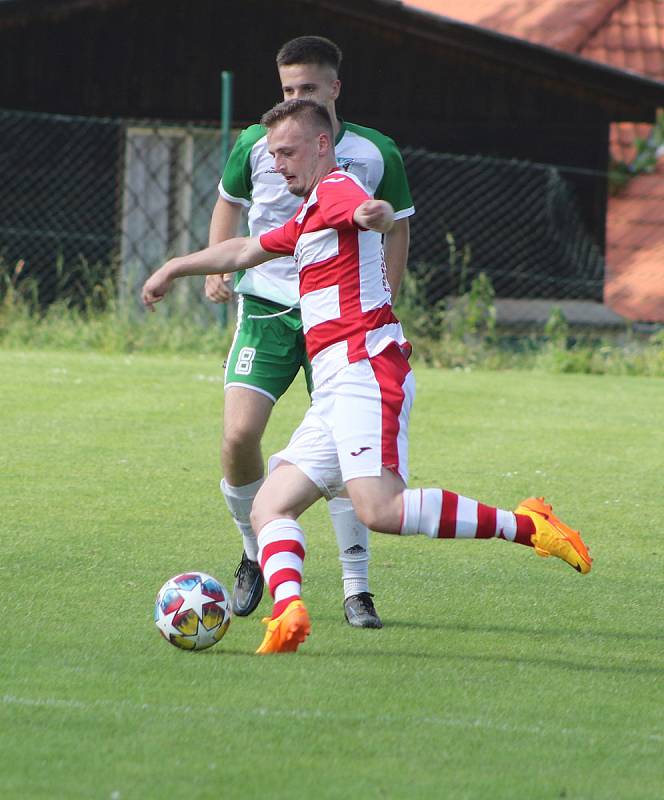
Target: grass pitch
{"x":497,"y":675}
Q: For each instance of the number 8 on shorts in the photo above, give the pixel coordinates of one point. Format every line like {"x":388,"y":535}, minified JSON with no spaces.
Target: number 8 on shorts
{"x":245,"y":361}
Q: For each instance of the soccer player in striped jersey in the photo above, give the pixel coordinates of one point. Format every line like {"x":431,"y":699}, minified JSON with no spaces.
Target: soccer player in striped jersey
{"x":354,"y":436}
{"x":268,"y":348}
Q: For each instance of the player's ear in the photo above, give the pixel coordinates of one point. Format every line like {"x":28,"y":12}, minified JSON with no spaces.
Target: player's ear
{"x":336,"y":89}
{"x":324,"y":144}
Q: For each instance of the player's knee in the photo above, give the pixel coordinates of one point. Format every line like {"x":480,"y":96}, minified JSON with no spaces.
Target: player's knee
{"x":239,"y":439}
{"x":262,"y":514}
{"x":376,"y":515}
{"x":257,"y":518}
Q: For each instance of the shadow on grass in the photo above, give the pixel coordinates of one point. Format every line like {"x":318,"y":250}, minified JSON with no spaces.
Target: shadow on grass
{"x":374,"y":647}
{"x":524,"y":631}
{"x":383,"y":653}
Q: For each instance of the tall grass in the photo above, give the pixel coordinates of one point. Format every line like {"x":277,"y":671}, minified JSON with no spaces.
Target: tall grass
{"x":107,"y":321}
{"x":460,"y":333}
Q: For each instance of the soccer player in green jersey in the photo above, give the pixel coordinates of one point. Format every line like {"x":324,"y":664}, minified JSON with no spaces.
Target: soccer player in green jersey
{"x":268,"y":347}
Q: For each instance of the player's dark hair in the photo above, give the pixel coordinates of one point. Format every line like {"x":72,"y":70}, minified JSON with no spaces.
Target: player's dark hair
{"x":313,"y":113}
{"x":310,"y":50}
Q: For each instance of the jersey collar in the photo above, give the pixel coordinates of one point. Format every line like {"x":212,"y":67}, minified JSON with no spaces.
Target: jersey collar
{"x":342,"y":130}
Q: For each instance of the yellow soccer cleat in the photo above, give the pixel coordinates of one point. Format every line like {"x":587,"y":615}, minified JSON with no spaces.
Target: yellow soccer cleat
{"x":287,"y":632}
{"x":552,"y":537}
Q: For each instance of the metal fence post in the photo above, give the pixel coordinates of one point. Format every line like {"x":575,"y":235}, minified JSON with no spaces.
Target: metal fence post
{"x":226,"y":122}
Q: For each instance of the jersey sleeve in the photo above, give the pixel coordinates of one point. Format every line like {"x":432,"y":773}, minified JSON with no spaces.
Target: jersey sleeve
{"x":338,"y":197}
{"x":394,"y":185}
{"x":280,"y":240}
{"x":235,"y":184}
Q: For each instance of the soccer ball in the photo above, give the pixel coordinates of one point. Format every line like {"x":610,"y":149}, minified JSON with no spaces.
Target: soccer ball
{"x":192,"y":611}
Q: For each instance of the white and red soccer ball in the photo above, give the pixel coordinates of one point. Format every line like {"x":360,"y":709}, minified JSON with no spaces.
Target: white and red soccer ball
{"x":192,"y":611}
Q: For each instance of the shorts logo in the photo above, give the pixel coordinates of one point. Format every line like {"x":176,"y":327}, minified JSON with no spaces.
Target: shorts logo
{"x":245,"y":361}
{"x":360,"y":451}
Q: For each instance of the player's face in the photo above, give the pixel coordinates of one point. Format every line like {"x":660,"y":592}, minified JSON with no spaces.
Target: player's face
{"x":310,"y":82}
{"x":298,"y":155}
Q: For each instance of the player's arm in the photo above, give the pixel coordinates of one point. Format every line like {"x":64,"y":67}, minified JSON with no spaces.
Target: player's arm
{"x":396,"y":244}
{"x":224,"y":225}
{"x":229,"y":256}
{"x":235,"y":190}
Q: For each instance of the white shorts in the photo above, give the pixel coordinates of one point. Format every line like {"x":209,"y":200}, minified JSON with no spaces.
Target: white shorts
{"x":356,"y":425}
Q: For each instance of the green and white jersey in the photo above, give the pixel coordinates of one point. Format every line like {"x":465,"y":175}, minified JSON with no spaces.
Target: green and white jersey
{"x":250,"y":179}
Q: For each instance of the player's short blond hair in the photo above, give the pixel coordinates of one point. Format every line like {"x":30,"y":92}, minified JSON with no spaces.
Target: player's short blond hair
{"x":307,"y":111}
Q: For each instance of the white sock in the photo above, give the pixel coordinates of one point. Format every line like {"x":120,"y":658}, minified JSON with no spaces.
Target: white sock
{"x":239,"y":500}
{"x":421,"y":511}
{"x":353,"y":543}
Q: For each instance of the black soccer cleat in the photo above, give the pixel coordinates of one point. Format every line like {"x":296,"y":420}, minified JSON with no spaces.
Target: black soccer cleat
{"x":248,"y":588}
{"x":360,"y":611}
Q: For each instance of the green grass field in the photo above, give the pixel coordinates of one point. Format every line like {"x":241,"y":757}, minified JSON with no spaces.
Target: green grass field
{"x":497,"y":675}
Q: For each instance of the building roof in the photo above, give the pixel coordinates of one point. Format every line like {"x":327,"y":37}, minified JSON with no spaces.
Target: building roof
{"x":631,"y":37}
{"x":561,"y":24}
{"x":628,"y":35}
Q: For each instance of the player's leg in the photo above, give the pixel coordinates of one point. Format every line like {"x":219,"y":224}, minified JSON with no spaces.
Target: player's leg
{"x":260,"y":366}
{"x":371,"y":415}
{"x":305,"y":470}
{"x":385,"y":506}
{"x":246,"y":413}
{"x":286,"y":493}
{"x":353,"y":544}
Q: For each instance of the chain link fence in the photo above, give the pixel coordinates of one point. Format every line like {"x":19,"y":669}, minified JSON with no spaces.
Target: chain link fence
{"x":517,"y":222}
{"x":85,"y":202}
{"x":95,"y":202}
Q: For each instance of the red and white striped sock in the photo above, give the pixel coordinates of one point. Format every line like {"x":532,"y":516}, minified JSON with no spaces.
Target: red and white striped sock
{"x":445,"y":515}
{"x":281,"y":550}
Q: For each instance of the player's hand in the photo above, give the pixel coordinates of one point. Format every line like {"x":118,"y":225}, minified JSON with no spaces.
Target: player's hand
{"x":219,"y":288}
{"x":156,"y":287}
{"x":375,"y":215}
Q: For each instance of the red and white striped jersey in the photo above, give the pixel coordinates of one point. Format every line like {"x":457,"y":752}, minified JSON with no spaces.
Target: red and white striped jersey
{"x":344,"y":295}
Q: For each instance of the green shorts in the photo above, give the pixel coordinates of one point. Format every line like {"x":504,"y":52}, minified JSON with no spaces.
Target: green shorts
{"x":268,"y":348}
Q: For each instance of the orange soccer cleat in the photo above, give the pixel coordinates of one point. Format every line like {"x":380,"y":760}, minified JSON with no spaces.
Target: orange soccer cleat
{"x":552,"y":537}
{"x":287,"y":632}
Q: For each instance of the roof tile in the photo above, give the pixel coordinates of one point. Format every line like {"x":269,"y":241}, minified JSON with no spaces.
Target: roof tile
{"x":631,"y":37}
{"x":654,"y":63}
{"x":610,"y":36}
{"x":634,"y":60}
{"x":648,"y":16}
